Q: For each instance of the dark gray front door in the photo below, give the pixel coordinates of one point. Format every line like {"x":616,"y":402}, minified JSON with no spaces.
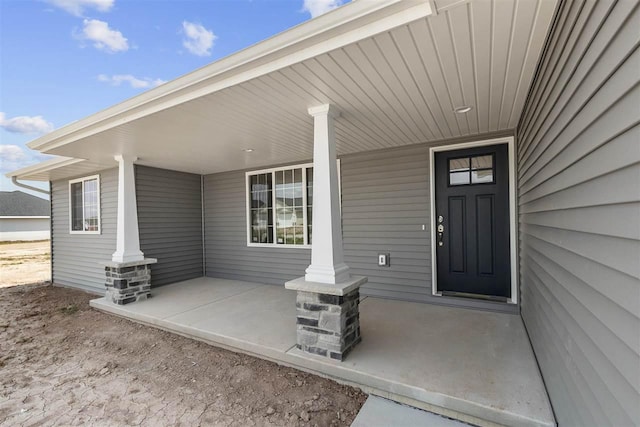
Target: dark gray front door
{"x":472,"y":221}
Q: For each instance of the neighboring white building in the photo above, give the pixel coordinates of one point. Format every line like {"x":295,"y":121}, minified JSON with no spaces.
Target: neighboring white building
{"x":23,"y":217}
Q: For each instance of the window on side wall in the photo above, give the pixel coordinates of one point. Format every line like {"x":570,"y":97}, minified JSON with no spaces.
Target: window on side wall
{"x":279,"y":206}
{"x":84,"y":205}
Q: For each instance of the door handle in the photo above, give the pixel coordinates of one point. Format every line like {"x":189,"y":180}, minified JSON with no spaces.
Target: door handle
{"x":440,"y":230}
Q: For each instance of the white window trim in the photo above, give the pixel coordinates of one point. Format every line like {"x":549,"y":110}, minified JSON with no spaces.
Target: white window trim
{"x":306,"y":245}
{"x":73,"y":181}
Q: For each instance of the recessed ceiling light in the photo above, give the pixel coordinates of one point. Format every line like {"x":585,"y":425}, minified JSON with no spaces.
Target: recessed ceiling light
{"x":248,"y":150}
{"x":463,"y":109}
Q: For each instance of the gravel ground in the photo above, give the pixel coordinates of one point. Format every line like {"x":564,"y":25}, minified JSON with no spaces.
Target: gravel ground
{"x":24,"y":262}
{"x":63,"y":363}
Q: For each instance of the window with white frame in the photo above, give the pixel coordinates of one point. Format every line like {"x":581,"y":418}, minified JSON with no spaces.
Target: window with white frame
{"x":84,"y":205}
{"x":279,"y":206}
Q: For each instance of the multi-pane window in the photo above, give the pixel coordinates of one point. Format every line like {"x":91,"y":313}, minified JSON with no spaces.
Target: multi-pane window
{"x":471,"y":170}
{"x":280,"y":205}
{"x":84,"y":200}
{"x":261,"y":213}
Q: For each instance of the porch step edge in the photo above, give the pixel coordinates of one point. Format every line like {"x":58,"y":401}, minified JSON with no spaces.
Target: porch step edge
{"x":448,"y":406}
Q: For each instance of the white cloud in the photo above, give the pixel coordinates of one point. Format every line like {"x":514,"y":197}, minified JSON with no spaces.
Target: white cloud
{"x":25,"y":124}
{"x":134,"y":82}
{"x":319,"y":7}
{"x":103,"y":37}
{"x":77,"y":7}
{"x":199,"y":40}
{"x":14,"y":157}
{"x":12,"y":153}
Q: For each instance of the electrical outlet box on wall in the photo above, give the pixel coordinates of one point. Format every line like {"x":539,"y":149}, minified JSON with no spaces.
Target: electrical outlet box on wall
{"x":384,"y":260}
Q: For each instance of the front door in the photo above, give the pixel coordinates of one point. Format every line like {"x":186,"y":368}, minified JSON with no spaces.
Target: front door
{"x":472,"y":222}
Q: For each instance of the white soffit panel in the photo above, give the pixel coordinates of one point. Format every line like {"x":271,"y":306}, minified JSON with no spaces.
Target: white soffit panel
{"x":395,"y":88}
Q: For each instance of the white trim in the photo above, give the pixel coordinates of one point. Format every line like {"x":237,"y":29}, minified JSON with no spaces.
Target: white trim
{"x":44,"y":166}
{"x":513,"y":247}
{"x":279,"y":168}
{"x":273,"y":203}
{"x":83,"y":179}
{"x":247,"y":174}
{"x":305,"y":196}
{"x":339,"y":166}
{"x":24,"y":217}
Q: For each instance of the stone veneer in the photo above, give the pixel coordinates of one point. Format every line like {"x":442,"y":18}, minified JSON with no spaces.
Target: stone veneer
{"x":128,"y":282}
{"x":328,"y":325}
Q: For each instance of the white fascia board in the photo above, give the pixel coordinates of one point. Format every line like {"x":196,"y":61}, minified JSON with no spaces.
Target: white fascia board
{"x":43,"y":167}
{"x":23,"y":217}
{"x":348,"y":24}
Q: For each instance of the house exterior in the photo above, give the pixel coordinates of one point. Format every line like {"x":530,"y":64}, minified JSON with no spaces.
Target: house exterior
{"x":467,"y":153}
{"x":23,"y":217}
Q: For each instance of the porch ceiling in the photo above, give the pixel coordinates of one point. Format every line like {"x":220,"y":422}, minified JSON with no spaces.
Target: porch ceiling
{"x":395,"y":88}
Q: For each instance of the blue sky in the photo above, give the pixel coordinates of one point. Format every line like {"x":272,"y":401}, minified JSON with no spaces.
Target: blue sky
{"x":62,"y":60}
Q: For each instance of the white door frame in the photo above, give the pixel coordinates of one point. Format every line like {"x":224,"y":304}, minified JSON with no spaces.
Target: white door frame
{"x":513,"y":246}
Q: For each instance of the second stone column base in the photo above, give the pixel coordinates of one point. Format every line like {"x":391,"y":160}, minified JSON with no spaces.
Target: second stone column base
{"x":328,"y":317}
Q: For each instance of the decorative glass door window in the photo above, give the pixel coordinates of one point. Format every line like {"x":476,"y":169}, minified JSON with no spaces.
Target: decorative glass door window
{"x":84,"y":205}
{"x":471,"y":170}
{"x":280,"y":205}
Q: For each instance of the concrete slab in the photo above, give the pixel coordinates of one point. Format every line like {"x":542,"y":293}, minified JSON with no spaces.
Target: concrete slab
{"x":379,"y":412}
{"x":185,"y":296}
{"x":264,"y":316}
{"x":470,"y":365}
{"x":473,"y":361}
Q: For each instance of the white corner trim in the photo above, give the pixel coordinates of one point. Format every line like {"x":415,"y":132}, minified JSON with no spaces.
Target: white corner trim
{"x":513,"y":226}
{"x":73,"y":181}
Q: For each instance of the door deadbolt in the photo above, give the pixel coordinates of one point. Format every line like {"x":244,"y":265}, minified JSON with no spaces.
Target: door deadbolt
{"x":440,"y":228}
{"x":440,"y":219}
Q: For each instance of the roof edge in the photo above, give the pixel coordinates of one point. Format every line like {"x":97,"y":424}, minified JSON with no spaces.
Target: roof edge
{"x":44,"y":166}
{"x":344,"y":25}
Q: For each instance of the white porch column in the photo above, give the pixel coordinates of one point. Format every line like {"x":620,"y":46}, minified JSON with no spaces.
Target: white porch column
{"x":128,"y":239}
{"x":327,"y":262}
{"x":328,"y":297}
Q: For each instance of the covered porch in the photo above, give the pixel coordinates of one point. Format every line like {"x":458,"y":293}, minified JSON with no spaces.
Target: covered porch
{"x":471,"y":365}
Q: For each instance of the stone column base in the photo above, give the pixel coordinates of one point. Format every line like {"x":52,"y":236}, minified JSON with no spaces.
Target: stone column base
{"x":328,"y":317}
{"x":128,"y":282}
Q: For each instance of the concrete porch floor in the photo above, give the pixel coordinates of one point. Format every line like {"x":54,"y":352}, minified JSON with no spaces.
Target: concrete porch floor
{"x":470,"y":365}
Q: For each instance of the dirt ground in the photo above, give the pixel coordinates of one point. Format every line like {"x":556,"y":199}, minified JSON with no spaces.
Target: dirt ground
{"x":24,"y":262}
{"x":64,"y":363}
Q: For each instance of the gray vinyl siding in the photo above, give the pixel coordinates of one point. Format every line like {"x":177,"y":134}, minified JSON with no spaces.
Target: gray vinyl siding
{"x":579,"y":214}
{"x":385,"y":203}
{"x":170,"y":223}
{"x":76,"y":258}
{"x":226,"y":251}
